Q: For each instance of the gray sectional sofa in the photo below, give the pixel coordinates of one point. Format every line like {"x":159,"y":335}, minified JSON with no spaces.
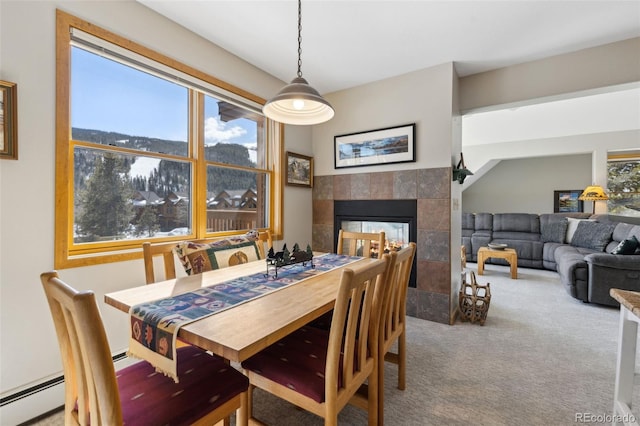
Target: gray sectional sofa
{"x":579,"y":246}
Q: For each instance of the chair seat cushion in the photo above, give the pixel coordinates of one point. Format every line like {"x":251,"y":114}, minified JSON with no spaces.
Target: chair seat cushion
{"x":296,"y":361}
{"x":206,"y":382}
{"x":323,"y":322}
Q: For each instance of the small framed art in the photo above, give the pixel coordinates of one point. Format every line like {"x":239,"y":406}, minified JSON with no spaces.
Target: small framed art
{"x":8,"y":120}
{"x":299,"y":170}
{"x":566,"y":201}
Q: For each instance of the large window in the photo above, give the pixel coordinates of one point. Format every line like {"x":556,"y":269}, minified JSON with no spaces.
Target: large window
{"x":148,"y":151}
{"x":623,"y":184}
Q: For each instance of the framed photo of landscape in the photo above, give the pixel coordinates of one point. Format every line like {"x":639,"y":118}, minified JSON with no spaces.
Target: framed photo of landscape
{"x":299,"y":170}
{"x":8,"y":120}
{"x":566,"y":201}
{"x":381,"y":146}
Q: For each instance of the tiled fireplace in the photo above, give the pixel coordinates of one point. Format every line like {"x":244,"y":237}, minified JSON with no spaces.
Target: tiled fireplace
{"x":429,"y":189}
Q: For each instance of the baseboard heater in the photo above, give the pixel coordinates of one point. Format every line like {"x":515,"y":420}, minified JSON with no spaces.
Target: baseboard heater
{"x":35,"y":401}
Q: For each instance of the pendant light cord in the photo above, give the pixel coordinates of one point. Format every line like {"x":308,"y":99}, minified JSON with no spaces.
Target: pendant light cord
{"x":299,"y":38}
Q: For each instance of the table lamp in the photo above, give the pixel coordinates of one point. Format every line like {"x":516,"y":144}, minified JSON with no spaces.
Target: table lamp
{"x":593,"y":193}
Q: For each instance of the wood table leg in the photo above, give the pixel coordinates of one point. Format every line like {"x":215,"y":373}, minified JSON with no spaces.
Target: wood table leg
{"x":481,"y":260}
{"x":513,"y":265}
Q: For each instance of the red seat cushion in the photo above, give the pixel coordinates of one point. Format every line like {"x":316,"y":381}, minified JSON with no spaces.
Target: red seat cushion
{"x":323,"y":322}
{"x":151,"y":398}
{"x":296,"y":361}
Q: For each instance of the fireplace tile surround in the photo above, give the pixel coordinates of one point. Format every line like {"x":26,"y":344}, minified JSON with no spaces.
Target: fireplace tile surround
{"x":430,"y":299}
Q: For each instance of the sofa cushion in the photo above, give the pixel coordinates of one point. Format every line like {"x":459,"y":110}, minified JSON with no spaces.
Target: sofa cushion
{"x":516,"y":222}
{"x":554,"y":232}
{"x":572,"y":225}
{"x":626,"y":246}
{"x":592,"y":235}
{"x":483,"y":222}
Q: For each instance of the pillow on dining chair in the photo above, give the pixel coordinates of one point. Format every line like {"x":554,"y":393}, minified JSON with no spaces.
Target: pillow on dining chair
{"x":201,"y":257}
{"x":222,"y":257}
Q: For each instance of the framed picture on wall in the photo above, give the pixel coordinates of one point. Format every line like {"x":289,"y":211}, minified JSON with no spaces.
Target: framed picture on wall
{"x":381,"y":146}
{"x":566,"y":201}
{"x":8,"y":120}
{"x":299,"y":170}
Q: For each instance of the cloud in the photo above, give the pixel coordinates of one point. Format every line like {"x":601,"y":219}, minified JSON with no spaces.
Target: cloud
{"x":216,"y":131}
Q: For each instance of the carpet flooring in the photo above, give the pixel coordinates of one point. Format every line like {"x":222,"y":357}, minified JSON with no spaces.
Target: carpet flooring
{"x":541,"y":358}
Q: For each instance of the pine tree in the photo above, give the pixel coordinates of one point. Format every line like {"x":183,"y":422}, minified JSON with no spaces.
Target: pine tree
{"x":106,"y":202}
{"x":148,"y":222}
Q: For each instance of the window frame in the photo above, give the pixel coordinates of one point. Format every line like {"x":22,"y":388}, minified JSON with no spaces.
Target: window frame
{"x":67,"y":253}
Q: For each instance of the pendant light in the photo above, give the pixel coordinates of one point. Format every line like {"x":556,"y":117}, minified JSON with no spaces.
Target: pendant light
{"x":298,"y":103}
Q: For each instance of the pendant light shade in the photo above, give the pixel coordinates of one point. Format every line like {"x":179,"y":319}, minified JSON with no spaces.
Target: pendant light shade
{"x":298,"y":103}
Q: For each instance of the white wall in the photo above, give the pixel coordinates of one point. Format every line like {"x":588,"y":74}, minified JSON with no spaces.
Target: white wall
{"x":28,"y":347}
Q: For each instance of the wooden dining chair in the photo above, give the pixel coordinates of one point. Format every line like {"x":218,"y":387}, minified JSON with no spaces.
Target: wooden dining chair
{"x":320,"y":370}
{"x":209,"y":390}
{"x":392,"y":324}
{"x":360,"y":243}
{"x":349,"y":243}
{"x":165,"y":250}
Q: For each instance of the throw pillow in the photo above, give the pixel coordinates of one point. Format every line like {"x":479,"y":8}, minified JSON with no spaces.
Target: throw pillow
{"x":572,"y":225}
{"x":223,"y":256}
{"x":554,"y":232}
{"x":627,"y":246}
{"x":593,"y":235}
{"x":185,"y":249}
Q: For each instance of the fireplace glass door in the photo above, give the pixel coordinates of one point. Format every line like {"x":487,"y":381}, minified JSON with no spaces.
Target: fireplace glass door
{"x":396,"y":233}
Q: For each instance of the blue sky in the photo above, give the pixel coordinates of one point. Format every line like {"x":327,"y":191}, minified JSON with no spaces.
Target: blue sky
{"x":109,"y":96}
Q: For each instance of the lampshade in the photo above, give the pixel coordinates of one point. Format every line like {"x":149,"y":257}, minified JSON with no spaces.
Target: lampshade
{"x":593,"y":193}
{"x":298,"y":103}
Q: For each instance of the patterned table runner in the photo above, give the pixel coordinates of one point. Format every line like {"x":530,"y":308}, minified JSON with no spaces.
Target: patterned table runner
{"x":155,"y":325}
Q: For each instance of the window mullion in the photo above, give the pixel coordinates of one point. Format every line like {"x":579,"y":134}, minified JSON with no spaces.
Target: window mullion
{"x":199,"y":204}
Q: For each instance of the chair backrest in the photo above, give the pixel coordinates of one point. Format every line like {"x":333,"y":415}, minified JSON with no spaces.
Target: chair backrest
{"x":89,"y":373}
{"x":353,"y":334}
{"x":264,"y":237}
{"x":360,"y":243}
{"x":393,"y":313}
{"x":165,"y":250}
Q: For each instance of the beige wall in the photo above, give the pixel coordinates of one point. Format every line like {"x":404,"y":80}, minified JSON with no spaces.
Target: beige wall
{"x":585,"y":70}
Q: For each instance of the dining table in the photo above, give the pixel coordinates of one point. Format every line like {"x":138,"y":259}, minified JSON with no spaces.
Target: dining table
{"x":239,"y":332}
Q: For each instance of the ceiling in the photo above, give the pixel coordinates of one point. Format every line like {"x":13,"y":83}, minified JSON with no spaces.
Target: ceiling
{"x":348,"y":43}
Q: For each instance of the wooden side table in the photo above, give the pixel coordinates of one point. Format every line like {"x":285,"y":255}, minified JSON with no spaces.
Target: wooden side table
{"x":625,"y":364}
{"x":507,"y":254}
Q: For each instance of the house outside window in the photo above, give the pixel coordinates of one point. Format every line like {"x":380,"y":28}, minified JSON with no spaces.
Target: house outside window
{"x":147,"y":152}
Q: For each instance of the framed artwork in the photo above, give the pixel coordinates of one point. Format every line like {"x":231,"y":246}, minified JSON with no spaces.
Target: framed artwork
{"x":8,"y":120}
{"x":566,"y":201}
{"x":299,"y":170}
{"x":381,"y":146}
